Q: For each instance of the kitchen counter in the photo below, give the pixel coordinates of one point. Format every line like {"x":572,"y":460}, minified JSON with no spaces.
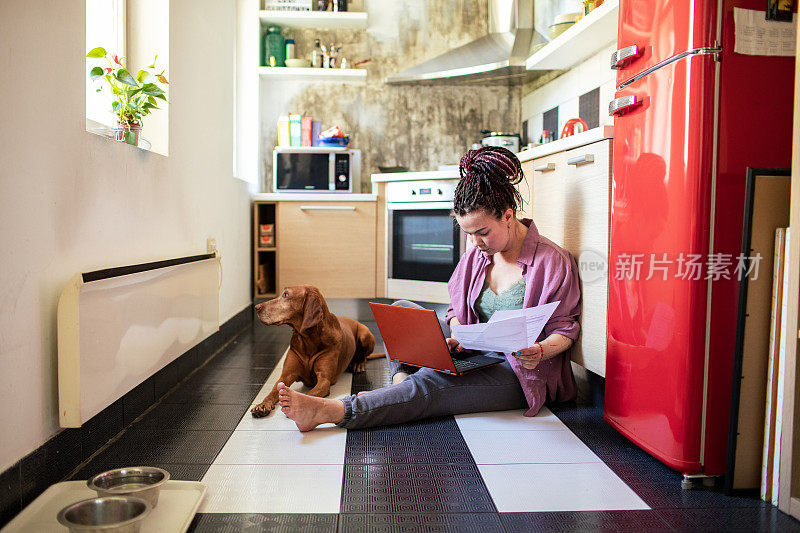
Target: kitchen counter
{"x":313,"y":197}
{"x":568,"y":143}
{"x":414,"y":176}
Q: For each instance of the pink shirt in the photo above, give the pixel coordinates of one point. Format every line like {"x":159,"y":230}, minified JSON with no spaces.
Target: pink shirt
{"x":550,"y":274}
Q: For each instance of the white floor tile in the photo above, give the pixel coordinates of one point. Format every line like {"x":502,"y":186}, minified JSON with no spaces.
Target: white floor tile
{"x":557,"y":487}
{"x":502,"y":447}
{"x":509,"y":421}
{"x":277,"y":421}
{"x":273,"y":489}
{"x":318,"y":447}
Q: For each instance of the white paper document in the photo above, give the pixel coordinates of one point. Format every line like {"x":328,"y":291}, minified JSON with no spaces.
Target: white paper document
{"x":506,"y":331}
{"x":756,"y":36}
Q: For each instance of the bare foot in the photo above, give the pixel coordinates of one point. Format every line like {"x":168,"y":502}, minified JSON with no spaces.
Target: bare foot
{"x":399,"y":377}
{"x":308,"y":411}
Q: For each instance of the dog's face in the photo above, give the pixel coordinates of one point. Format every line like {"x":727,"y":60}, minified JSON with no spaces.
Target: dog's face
{"x":298,"y":305}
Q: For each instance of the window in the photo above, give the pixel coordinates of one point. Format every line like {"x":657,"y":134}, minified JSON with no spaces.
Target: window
{"x":137,"y":30}
{"x":105,"y":26}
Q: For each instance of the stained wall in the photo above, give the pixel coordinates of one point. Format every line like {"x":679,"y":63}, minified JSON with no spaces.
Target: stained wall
{"x":416,"y":126}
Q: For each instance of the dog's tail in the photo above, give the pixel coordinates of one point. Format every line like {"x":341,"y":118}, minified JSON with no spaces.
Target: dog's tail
{"x":376,"y":355}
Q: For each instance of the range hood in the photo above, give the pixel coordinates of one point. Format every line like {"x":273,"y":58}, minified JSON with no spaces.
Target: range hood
{"x":498,"y":56}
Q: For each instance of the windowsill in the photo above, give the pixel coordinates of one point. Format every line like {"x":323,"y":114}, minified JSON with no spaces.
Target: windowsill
{"x":106,"y":131}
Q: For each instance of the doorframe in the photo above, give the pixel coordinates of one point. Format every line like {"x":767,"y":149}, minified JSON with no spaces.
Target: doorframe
{"x":788,"y":502}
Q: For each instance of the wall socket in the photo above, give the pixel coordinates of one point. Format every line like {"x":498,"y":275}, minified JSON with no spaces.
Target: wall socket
{"x":211,"y":245}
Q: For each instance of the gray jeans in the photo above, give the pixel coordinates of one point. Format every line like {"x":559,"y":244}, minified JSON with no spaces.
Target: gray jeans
{"x":427,"y":393}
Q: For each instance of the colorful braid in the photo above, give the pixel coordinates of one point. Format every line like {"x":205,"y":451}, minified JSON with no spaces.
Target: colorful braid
{"x":488,"y":176}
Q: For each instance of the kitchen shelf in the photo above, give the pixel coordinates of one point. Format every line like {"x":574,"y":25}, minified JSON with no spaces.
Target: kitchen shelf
{"x":585,"y":38}
{"x":266,"y":248}
{"x":327,"y":20}
{"x":313,"y":74}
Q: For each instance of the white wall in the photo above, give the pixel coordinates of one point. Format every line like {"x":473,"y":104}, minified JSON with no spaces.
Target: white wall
{"x":71,"y":201}
{"x":565,"y":90}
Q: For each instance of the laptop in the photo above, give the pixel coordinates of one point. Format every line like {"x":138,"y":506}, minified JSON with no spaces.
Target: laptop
{"x":414,"y":337}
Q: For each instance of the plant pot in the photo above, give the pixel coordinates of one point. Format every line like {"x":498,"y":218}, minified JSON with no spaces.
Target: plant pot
{"x":128,"y":133}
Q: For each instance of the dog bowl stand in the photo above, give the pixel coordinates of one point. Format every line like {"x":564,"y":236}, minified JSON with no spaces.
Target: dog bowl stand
{"x":177,"y":505}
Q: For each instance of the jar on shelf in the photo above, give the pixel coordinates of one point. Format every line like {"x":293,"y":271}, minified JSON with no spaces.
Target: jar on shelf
{"x":274,"y":47}
{"x":290,"y":49}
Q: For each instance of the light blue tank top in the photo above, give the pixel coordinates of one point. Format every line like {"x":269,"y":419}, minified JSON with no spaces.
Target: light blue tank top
{"x":488,"y":302}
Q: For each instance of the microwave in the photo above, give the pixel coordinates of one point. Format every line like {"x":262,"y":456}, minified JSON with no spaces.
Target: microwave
{"x":316,"y":169}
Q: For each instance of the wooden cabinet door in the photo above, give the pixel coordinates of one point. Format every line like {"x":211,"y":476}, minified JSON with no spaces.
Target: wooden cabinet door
{"x":587,"y":186}
{"x":328,"y":244}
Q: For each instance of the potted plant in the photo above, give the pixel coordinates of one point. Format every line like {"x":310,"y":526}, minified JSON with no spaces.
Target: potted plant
{"x":133,"y":98}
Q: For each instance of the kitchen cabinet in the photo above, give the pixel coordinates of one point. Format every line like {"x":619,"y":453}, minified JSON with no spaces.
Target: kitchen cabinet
{"x":585,"y":38}
{"x":570,"y":202}
{"x":265,"y":280}
{"x":329,"y":244}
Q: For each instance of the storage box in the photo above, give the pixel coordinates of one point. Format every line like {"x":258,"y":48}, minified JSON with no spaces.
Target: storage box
{"x":266,"y":229}
{"x":266,"y":240}
{"x":288,"y":5}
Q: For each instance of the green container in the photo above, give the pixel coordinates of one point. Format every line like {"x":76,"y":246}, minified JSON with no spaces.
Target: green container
{"x":273,"y":48}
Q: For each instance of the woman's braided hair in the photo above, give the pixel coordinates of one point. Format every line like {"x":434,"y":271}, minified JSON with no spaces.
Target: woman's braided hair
{"x":488,"y":176}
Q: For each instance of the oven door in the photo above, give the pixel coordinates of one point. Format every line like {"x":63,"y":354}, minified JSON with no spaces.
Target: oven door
{"x":425,"y":241}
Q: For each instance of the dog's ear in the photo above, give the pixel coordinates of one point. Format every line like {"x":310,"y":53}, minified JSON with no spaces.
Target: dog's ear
{"x":312,"y":309}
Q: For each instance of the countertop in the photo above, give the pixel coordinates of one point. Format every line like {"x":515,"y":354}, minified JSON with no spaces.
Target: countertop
{"x":568,"y":143}
{"x":413,"y":176}
{"x":313,"y":197}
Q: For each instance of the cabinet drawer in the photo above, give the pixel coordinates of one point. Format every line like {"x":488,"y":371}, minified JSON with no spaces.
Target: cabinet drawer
{"x":589,"y":160}
{"x":547,"y":196}
{"x":330,"y":245}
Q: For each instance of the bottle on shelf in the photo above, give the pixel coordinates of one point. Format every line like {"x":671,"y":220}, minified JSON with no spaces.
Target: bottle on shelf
{"x":275,"y":47}
{"x":316,"y":55}
{"x":290,"y":49}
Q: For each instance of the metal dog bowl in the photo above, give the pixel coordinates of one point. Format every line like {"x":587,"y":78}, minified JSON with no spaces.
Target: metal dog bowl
{"x":140,"y":481}
{"x":121,"y":514}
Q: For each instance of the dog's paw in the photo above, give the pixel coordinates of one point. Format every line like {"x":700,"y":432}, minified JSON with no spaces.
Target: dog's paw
{"x":358,"y":368}
{"x":261,"y":410}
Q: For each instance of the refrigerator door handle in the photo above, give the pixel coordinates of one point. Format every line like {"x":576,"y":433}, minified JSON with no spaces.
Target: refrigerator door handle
{"x":623,"y":103}
{"x":623,"y":56}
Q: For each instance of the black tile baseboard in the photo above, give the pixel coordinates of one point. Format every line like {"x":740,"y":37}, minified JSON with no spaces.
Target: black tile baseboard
{"x":54,"y":460}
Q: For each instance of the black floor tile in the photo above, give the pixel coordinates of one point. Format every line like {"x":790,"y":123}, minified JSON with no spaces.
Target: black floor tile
{"x":10,"y":498}
{"x":165,"y":446}
{"x":165,"y":379}
{"x":668,"y":494}
{"x":256,"y":523}
{"x":183,"y":472}
{"x":136,"y":401}
{"x":418,"y":489}
{"x":192,"y":416}
{"x":633,"y":521}
{"x":99,"y":429}
{"x":766,"y":518}
{"x":194,"y":391}
{"x":49,"y":464}
{"x":213,"y":374}
{"x":226,"y":360}
{"x":422,"y":523}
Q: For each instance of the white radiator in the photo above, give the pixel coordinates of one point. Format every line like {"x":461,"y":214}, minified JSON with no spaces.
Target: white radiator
{"x":119,"y":326}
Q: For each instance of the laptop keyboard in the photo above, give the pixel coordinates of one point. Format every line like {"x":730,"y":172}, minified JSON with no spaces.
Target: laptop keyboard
{"x":462,"y":364}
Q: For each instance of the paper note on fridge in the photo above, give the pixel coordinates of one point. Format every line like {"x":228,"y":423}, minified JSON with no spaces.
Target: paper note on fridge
{"x":506,"y":331}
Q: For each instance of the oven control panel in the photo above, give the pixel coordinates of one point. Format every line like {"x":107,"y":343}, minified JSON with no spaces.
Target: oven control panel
{"x":421,"y":191}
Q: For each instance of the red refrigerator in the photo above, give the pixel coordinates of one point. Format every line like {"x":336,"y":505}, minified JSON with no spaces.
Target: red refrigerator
{"x":690,"y":116}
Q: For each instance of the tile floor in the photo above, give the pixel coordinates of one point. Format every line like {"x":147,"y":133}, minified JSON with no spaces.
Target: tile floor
{"x":564,"y":470}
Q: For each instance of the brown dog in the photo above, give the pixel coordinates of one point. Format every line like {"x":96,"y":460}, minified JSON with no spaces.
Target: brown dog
{"x":322,"y":346}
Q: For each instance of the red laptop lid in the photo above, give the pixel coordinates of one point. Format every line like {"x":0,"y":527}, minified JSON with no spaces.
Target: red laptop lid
{"x":413,"y":336}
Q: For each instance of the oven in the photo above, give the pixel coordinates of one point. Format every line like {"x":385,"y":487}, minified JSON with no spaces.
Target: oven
{"x":424,"y":242}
